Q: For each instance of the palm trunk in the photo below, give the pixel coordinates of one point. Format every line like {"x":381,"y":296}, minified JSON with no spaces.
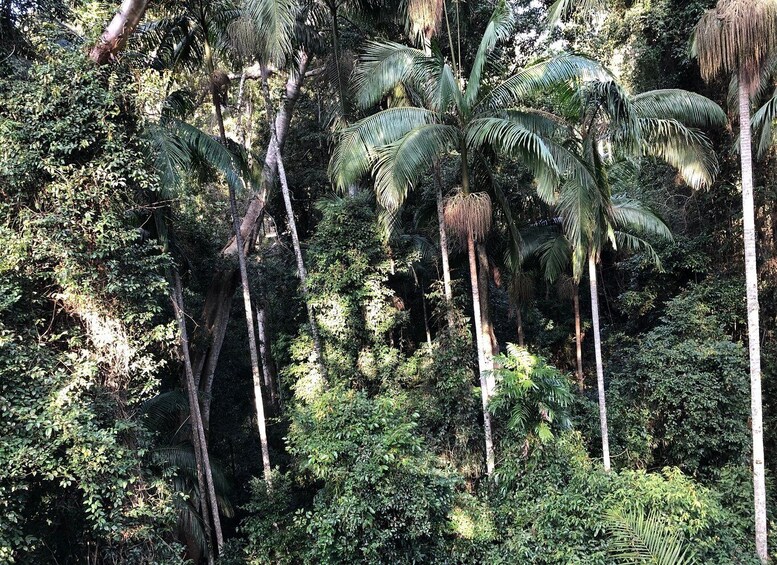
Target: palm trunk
{"x":446,"y":268}
{"x":485,"y":393}
{"x":301,"y":270}
{"x":204,"y":473}
{"x":115,"y":36}
{"x":241,"y":259}
{"x":426,"y":318}
{"x":599,"y":366}
{"x":491,"y":346}
{"x":751,"y":283}
{"x":578,"y":338}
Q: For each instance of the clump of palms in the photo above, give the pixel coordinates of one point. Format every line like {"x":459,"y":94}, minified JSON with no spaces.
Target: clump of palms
{"x":451,"y":118}
{"x":600,"y":138}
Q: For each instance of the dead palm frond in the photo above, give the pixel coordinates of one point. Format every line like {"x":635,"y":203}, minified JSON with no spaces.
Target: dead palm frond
{"x":736,"y":36}
{"x":468,"y":214}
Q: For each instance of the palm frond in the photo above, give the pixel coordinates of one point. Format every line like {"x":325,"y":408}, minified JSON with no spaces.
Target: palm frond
{"x":762,"y":123}
{"x":274,"y":21}
{"x":686,"y":149}
{"x":357,"y":149}
{"x":511,"y":138}
{"x":640,"y":538}
{"x":498,"y":29}
{"x":164,"y":408}
{"x":688,"y":108}
{"x":385,"y":64}
{"x":635,"y":244}
{"x":399,"y":164}
{"x":555,"y":257}
{"x":563,"y":8}
{"x":629,"y":214}
{"x":540,"y":77}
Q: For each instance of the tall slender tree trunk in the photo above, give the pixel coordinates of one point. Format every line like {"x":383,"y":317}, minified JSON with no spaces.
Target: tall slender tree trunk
{"x":218,"y":300}
{"x":753,"y":331}
{"x":270,"y":380}
{"x":599,"y":366}
{"x":241,"y":259}
{"x":491,"y":346}
{"x":578,"y":338}
{"x":301,"y":270}
{"x":115,"y":36}
{"x":446,"y":267}
{"x":485,"y":392}
{"x":204,"y":472}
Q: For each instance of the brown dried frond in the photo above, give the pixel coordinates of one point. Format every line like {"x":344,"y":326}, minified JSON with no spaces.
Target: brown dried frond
{"x":468,"y":213}
{"x":424,"y":16}
{"x":736,"y":36}
{"x":244,"y":37}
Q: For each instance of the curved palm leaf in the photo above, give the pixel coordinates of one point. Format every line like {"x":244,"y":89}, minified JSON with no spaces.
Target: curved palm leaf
{"x":274,"y":21}
{"x":689,"y":108}
{"x":400,"y":164}
{"x":357,"y":149}
{"x":385,"y":64}
{"x":511,"y":138}
{"x":539,"y":77}
{"x":686,"y":149}
{"x":762,"y":123}
{"x":628,"y":213}
{"x":640,"y":538}
{"x":498,"y":29}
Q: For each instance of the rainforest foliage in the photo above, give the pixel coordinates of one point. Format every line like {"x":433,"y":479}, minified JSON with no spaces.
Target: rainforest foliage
{"x":462,"y":227}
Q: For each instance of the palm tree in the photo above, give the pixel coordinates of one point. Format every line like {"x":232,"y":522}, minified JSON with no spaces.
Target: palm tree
{"x":399,"y":144}
{"x":738,"y":36}
{"x":606,"y":134}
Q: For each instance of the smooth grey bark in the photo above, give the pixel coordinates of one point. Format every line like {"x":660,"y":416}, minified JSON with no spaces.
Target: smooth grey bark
{"x":485,"y":392}
{"x":490,"y":344}
{"x":599,"y":365}
{"x":446,"y":267}
{"x":201,"y":457}
{"x":578,"y":338}
{"x":519,"y":325}
{"x":115,"y":36}
{"x":753,"y":326}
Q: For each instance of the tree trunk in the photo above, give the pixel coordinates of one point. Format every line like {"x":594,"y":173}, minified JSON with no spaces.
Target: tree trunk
{"x":485,"y":393}
{"x":599,"y":366}
{"x":519,"y":325}
{"x":446,"y":268}
{"x":218,"y":301}
{"x":241,"y":259}
{"x":115,"y":36}
{"x":754,"y":344}
{"x":270,"y":379}
{"x":204,"y":473}
{"x":578,"y":338}
{"x":489,"y":337}
{"x":301,"y":270}
{"x":426,"y":318}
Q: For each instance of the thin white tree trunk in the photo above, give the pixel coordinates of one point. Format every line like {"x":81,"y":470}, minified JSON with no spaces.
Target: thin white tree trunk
{"x":241,"y":260}
{"x":446,"y":267}
{"x":301,"y":270}
{"x":599,"y":366}
{"x":578,"y":338}
{"x":754,"y":345}
{"x":201,"y":457}
{"x":264,"y":353}
{"x":482,"y":370}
